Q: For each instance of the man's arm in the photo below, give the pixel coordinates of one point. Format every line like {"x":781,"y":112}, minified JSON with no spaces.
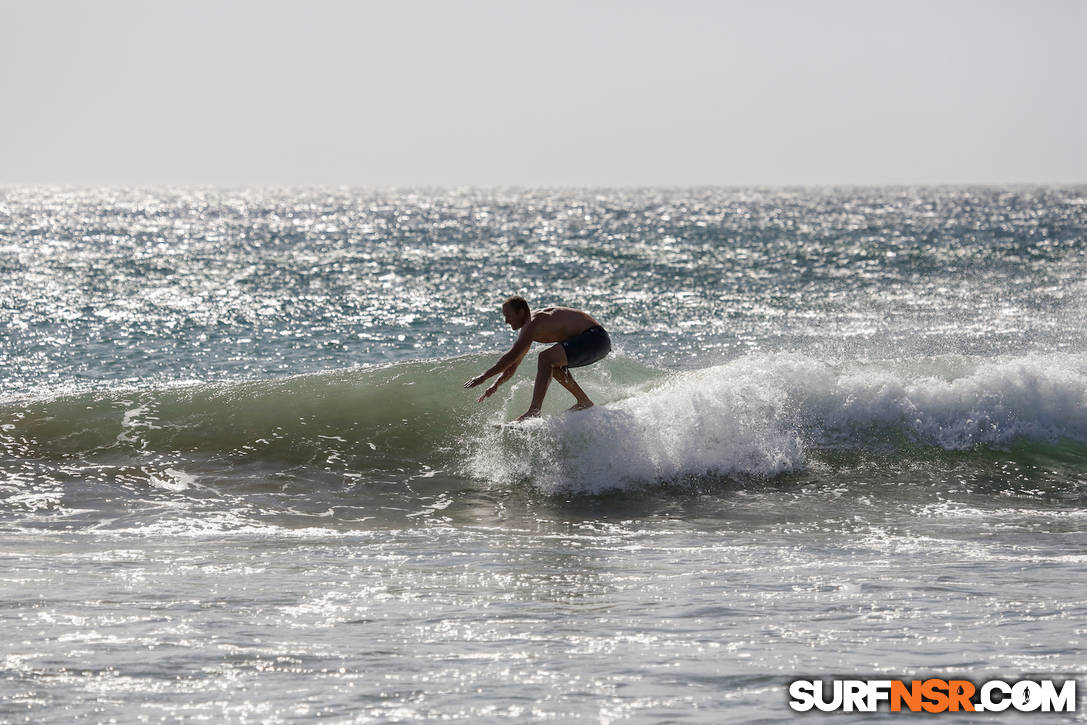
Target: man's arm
{"x":506,"y":375}
{"x":513,"y":357}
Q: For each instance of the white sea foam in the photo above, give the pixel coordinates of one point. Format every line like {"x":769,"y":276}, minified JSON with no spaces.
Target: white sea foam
{"x":763,"y":415}
{"x":957,"y":403}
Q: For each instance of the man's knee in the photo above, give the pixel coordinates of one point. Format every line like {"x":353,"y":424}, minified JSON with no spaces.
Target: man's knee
{"x":551,"y":357}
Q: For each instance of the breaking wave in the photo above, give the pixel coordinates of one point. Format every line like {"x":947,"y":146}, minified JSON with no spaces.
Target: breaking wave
{"x":767,"y":415}
{"x":753,"y":416}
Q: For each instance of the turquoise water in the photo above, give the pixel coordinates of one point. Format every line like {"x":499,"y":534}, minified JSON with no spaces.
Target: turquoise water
{"x":843,"y":432}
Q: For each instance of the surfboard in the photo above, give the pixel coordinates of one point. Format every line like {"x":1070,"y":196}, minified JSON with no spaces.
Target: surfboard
{"x":520,"y":423}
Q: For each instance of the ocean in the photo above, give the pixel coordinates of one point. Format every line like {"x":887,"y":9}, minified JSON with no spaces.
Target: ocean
{"x":842,"y":433}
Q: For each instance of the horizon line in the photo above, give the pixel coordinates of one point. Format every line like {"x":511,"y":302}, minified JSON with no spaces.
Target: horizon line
{"x":520,"y":186}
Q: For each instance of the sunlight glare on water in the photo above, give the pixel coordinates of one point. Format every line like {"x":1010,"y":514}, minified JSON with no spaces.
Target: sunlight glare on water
{"x":841,"y":432}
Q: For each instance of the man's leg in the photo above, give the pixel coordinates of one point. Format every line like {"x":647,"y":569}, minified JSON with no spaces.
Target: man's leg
{"x":567,"y":381}
{"x":551,"y":358}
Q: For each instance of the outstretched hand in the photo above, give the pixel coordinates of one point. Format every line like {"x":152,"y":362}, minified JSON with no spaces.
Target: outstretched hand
{"x":488,"y":393}
{"x":473,"y":382}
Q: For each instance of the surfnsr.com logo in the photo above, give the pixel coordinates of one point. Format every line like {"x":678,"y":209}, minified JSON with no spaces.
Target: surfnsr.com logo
{"x":933,"y":695}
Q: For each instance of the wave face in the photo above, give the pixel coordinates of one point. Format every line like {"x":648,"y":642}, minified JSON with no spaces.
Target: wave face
{"x":756,"y":416}
{"x":362,"y":419}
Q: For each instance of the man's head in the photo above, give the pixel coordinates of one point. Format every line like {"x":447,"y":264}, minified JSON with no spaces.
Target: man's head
{"x":516,"y":312}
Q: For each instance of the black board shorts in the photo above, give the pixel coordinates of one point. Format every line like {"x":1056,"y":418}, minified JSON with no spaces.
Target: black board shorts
{"x":588,"y":347}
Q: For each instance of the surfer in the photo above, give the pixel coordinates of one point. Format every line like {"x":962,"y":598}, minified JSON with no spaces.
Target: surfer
{"x":581,"y":341}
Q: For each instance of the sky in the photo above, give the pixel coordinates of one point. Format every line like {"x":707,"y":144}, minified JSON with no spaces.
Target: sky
{"x":555,"y":93}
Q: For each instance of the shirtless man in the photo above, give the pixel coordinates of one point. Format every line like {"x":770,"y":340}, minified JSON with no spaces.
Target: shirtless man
{"x":581,"y":341}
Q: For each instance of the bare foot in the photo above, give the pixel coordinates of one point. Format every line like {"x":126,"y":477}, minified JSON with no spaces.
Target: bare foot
{"x":530,"y":414}
{"x":582,"y":406}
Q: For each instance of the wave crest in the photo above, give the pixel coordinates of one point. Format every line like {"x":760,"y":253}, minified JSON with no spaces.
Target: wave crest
{"x":766,"y":415}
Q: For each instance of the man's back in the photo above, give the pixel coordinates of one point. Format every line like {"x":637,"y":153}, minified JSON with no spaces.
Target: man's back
{"x":555,"y":324}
